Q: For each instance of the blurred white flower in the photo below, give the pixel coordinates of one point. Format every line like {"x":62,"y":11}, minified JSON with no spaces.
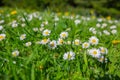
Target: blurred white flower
{"x":56,"y":18}
{"x":94,"y":53}
{"x":23,"y":36}
{"x":2,"y":21}
{"x":114,"y":31}
{"x":44,"y":41}
{"x":113,"y":27}
{"x":2,"y":36}
{"x":93,"y":40}
{"x":106,"y":32}
{"x":91,"y":29}
{"x":35,"y":29}
{"x":64,"y":35}
{"x":41,"y":28}
{"x":77,"y":21}
{"x":14,"y":25}
{"x":46,"y":22}
{"x":85,"y":45}
{"x":102,"y":59}
{"x":23,"y":25}
{"x":53,"y":44}
{"x":40,"y":18}
{"x":76,"y":42}
{"x":42,"y":25}
{"x":69,"y":55}
{"x":104,"y":25}
{"x":46,"y":32}
{"x":98,"y":25}
{"x":103,"y":50}
{"x":15,"y":53}
{"x":60,"y":41}
{"x":1,"y":27}
{"x":99,"y":19}
{"x":28,"y":44}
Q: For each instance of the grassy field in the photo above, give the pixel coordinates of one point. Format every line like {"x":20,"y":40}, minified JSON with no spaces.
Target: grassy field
{"x":58,"y":46}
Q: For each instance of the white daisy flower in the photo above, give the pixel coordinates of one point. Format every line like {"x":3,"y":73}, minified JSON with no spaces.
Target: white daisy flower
{"x":68,"y":42}
{"x":98,"y":25}
{"x":46,"y":32}
{"x":114,"y":31}
{"x":44,"y":41}
{"x":103,"y":50}
{"x":40,"y":18}
{"x":104,"y":25}
{"x":91,"y":29}
{"x":64,"y":35}
{"x":94,"y":32}
{"x":28,"y":44}
{"x":23,"y":25}
{"x":88,"y":18}
{"x":23,"y":36}
{"x":1,"y":27}
{"x":14,"y":25}
{"x":35,"y":29}
{"x":2,"y":36}
{"x":2,"y":21}
{"x":76,"y":42}
{"x":106,"y":32}
{"x":56,"y":18}
{"x":93,"y":40}
{"x":41,"y":28}
{"x":15,"y":53}
{"x":116,"y":21}
{"x":42,"y":25}
{"x":113,"y":27}
{"x":60,"y":41}
{"x":53,"y":44}
{"x":77,"y":22}
{"x":102,"y":59}
{"x":46,"y":22}
{"x":94,"y":53}
{"x":85,"y":45}
{"x":14,"y":62}
{"x":69,"y":56}
{"x":99,"y":19}
{"x":110,"y":21}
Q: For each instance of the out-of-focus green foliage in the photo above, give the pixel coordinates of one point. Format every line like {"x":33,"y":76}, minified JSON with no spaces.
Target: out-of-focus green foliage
{"x":104,"y":7}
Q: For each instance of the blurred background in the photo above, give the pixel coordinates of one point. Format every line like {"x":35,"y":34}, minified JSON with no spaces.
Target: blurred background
{"x":96,"y":7}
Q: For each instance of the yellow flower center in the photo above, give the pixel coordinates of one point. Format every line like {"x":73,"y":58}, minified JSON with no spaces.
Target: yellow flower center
{"x":64,"y":35}
{"x":14,"y":54}
{"x":76,"y":42}
{"x":61,"y":41}
{"x":86,"y":45}
{"x":94,"y":52}
{"x":102,"y":50}
{"x":46,"y":32}
{"x":93,"y":40}
{"x":1,"y":37}
{"x":23,"y":36}
{"x":101,"y":59}
{"x":69,"y":56}
{"x":52,"y":44}
{"x":44,"y":40}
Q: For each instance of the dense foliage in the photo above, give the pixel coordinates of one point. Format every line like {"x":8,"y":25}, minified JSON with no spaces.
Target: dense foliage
{"x":104,"y":7}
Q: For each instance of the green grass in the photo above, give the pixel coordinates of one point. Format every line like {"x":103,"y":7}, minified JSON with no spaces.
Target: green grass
{"x":41,"y":62}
